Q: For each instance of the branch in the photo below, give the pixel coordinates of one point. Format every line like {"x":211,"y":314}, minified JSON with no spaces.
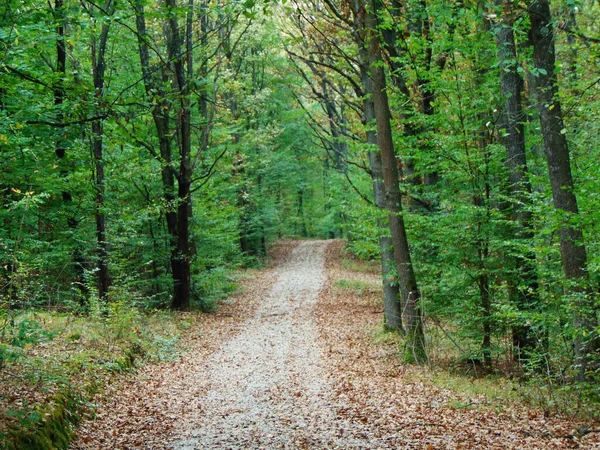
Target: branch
{"x":27,"y":77}
{"x":68,"y":124}
{"x":360,"y":194}
{"x":206,"y":177}
{"x":339,"y":71}
{"x":565,"y":27}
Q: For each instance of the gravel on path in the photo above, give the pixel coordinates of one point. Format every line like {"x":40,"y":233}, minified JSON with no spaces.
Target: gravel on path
{"x":267,"y":388}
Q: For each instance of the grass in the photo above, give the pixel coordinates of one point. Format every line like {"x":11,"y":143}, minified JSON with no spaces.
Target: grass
{"x":357,"y":286}
{"x":356,"y":265}
{"x":452,"y":369}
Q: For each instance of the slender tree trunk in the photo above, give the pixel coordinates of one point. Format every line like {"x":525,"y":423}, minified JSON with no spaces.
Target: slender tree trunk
{"x":392,"y":304}
{"x":177,"y":50}
{"x":160,"y":115}
{"x":99,"y":69}
{"x":572,"y":248}
{"x":513,"y":137}
{"x":415,"y":341}
{"x":301,"y":218}
{"x":60,"y":150}
{"x":421,"y":26}
{"x":392,"y":301}
{"x":483,"y":281}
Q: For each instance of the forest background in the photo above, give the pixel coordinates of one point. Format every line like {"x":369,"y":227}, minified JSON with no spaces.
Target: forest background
{"x":152,"y":149}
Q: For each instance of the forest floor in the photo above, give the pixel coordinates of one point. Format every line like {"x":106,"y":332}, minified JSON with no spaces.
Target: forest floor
{"x":294,"y":363}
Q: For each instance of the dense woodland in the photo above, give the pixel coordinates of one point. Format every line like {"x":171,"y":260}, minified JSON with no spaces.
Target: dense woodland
{"x":149,"y":149}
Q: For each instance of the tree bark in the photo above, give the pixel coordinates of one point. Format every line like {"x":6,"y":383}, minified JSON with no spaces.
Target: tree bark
{"x":60,"y":151}
{"x":415,"y":340}
{"x":572,"y":248}
{"x":177,"y":50}
{"x":99,"y":69}
{"x":525,"y":297}
{"x":160,"y":116}
{"x":392,"y":301}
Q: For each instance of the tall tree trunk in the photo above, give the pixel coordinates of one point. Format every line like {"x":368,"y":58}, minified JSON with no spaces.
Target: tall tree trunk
{"x":392,"y":304}
{"x":99,"y":69}
{"x":513,"y":137}
{"x":415,"y":340}
{"x":177,"y":50}
{"x":421,"y":26}
{"x":572,"y":248}
{"x":160,"y":116}
{"x":483,"y":280}
{"x":392,"y":301}
{"x":60,"y":150}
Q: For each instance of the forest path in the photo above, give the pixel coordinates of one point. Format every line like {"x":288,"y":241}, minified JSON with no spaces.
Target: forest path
{"x":297,"y":361}
{"x":267,"y":388}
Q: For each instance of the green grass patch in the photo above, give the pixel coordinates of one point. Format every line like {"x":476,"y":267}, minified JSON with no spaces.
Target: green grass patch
{"x":459,"y":370}
{"x":357,"y":286}
{"x":385,"y":336}
{"x":357,"y":265}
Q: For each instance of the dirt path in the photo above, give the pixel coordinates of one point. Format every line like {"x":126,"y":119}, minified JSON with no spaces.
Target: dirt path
{"x":293,"y":364}
{"x":267,"y":387}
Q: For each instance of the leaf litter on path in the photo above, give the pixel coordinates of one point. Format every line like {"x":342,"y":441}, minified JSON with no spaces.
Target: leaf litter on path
{"x":292,"y":365}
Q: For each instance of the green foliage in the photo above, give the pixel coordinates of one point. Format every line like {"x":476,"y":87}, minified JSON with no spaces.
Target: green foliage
{"x":47,"y":426}
{"x":265,"y":169}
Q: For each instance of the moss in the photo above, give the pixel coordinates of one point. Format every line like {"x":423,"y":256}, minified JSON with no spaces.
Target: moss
{"x":51,"y":429}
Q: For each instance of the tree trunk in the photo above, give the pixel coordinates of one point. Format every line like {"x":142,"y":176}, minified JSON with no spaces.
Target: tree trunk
{"x":60,"y":151}
{"x":177,"y":48}
{"x":415,"y":341}
{"x":483,"y":281}
{"x":513,"y":137}
{"x":420,"y":25}
{"x":572,"y":248}
{"x":99,"y":68}
{"x":392,"y":302}
{"x":160,"y":115}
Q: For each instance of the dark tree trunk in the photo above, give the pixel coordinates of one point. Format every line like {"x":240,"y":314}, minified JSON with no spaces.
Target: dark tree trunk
{"x":483,"y":282}
{"x":60,"y":150}
{"x":513,"y":137}
{"x":337,"y":122}
{"x":160,"y":115}
{"x":420,"y":25}
{"x":177,"y":49}
{"x":99,"y":68}
{"x":392,"y":303}
{"x":572,"y":249}
{"x":301,"y":219}
{"x":415,"y":342}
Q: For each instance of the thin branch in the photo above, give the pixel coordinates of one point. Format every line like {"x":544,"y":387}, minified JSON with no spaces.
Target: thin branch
{"x":360,"y":194}
{"x":27,"y":77}
{"x":67,"y":124}
{"x":206,"y":177}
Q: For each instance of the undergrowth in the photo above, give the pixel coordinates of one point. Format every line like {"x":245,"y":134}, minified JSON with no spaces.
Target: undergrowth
{"x":455,"y":363}
{"x":52,"y":364}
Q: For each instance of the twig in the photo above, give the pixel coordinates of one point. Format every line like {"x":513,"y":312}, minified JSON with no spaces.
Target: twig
{"x":436,"y":321}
